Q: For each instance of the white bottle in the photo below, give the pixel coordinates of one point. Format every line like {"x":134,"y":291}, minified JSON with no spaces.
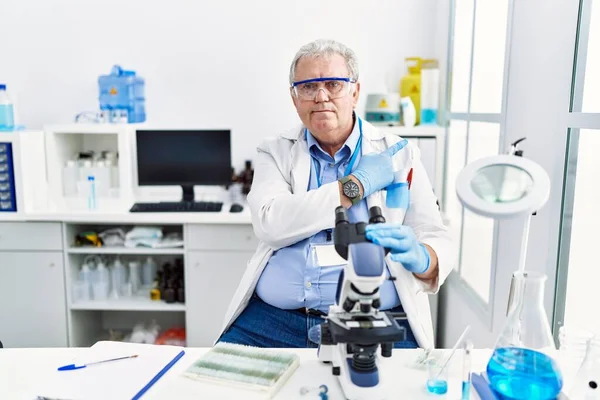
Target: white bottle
{"x":84,"y":283}
{"x":115,"y":284}
{"x":149,"y":271}
{"x":102,"y":177}
{"x":409,"y":113}
{"x":85,"y":274}
{"x":120,"y":273}
{"x":85,"y":169}
{"x":430,"y":90}
{"x":70,"y":176}
{"x":134,"y":277}
{"x":112,"y":163}
{"x":102,"y":282}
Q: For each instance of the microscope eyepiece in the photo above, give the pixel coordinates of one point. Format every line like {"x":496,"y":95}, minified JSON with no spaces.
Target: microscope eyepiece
{"x":375,"y":215}
{"x":341,"y":216}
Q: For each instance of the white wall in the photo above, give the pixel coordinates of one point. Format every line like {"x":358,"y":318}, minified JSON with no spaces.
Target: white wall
{"x":206,"y":64}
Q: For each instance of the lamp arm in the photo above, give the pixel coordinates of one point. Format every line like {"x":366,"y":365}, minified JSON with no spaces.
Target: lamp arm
{"x":524,"y":240}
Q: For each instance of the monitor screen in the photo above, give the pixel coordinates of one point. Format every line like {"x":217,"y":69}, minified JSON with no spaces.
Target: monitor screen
{"x":184,"y":157}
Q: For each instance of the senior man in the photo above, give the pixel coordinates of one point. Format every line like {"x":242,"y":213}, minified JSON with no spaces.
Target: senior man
{"x":334,"y":158}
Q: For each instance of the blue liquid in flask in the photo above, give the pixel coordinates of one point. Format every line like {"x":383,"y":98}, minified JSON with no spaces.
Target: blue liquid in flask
{"x":518,"y":373}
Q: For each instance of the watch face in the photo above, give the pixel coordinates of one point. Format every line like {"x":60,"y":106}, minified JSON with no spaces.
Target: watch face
{"x":351,"y":189}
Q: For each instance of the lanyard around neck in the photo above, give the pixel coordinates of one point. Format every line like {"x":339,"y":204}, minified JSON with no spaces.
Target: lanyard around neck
{"x":357,"y":149}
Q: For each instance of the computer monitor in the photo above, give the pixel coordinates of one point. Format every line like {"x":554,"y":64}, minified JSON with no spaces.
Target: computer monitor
{"x":184,"y":157}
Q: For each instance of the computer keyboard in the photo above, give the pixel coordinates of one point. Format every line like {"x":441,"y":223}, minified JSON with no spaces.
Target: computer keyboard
{"x":178,"y":206}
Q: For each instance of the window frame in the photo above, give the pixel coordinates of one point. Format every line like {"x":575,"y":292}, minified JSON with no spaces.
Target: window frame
{"x":576,"y":120}
{"x":482,"y":307}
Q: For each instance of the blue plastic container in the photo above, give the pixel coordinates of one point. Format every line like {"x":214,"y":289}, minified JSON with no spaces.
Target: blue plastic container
{"x":123,"y":90}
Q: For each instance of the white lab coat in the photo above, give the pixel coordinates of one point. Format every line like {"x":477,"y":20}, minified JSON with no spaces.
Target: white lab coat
{"x":285,"y":212}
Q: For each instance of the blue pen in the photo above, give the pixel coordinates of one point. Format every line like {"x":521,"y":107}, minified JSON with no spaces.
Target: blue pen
{"x":72,"y":367}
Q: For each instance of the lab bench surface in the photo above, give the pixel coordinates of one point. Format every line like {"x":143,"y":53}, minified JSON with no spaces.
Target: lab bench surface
{"x":125,"y":217}
{"x":22,"y":369}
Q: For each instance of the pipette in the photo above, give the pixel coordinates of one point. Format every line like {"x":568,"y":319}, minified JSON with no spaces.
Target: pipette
{"x":458,"y":342}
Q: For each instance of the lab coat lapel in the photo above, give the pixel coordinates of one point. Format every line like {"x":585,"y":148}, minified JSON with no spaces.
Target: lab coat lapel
{"x":300,"y":166}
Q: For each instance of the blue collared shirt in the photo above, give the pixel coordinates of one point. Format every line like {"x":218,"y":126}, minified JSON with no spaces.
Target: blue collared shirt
{"x":291,"y":279}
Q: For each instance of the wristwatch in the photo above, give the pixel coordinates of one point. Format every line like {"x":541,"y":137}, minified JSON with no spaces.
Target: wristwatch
{"x":351,"y":189}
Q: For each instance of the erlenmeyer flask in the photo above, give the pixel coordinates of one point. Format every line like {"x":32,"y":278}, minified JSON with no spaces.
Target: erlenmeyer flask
{"x":585,"y":385}
{"x":521,"y":366}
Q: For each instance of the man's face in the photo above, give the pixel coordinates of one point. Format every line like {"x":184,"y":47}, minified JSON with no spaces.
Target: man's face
{"x":327,"y":119}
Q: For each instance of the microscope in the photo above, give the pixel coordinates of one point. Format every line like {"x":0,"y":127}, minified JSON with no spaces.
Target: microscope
{"x":355,"y":327}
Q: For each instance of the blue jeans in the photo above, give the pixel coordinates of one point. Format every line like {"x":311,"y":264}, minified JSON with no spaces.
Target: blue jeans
{"x":262,"y":325}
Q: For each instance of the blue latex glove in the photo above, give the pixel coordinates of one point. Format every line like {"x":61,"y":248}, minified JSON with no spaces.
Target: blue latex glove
{"x":403,"y":245}
{"x":375,"y":171}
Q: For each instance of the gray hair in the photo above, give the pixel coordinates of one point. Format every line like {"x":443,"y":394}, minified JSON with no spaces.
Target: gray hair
{"x":328,"y":47}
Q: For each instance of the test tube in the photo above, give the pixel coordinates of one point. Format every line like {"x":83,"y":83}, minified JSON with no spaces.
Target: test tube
{"x":466,"y":378}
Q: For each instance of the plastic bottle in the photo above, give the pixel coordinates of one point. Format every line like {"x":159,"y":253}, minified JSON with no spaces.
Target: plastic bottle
{"x":7,"y":119}
{"x":430,"y":89}
{"x":410,"y":84}
{"x":149,"y":271}
{"x":85,"y":169}
{"x":102,"y":281}
{"x":101,"y":173}
{"x":120,"y":273}
{"x":409,"y":113}
{"x":70,"y":177}
{"x":134,"y":277}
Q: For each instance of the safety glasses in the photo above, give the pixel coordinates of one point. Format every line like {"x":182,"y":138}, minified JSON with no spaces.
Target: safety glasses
{"x":333,"y":87}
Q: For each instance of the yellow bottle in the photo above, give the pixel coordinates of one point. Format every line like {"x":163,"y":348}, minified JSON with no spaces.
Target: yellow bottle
{"x":410,"y":84}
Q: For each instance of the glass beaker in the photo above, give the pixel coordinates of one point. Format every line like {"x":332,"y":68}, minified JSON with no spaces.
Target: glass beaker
{"x":521,"y":366}
{"x":585,"y":385}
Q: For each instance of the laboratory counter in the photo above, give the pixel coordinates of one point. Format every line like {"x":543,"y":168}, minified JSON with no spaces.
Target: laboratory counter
{"x":25,"y":372}
{"x":121,"y":215}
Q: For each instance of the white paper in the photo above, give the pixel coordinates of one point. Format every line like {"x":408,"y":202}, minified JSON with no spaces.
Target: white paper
{"x":121,"y":379}
{"x":326,"y":256}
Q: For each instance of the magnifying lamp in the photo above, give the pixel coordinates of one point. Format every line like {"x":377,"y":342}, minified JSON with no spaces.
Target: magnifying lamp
{"x":504,"y":186}
{"x":509,"y":186}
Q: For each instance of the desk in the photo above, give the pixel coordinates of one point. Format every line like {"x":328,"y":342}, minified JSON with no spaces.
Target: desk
{"x":20,"y":367}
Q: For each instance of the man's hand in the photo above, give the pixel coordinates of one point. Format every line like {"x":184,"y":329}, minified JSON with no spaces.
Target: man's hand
{"x":375,"y":171}
{"x":403,"y":245}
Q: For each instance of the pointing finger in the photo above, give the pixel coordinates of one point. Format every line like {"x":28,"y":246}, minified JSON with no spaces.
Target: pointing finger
{"x":396,"y":147}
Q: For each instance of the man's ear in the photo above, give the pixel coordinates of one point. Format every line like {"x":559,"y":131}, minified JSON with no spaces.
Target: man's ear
{"x":355,"y":94}
{"x":294,"y":99}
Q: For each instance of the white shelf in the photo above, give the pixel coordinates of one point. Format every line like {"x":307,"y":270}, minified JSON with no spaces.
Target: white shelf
{"x":128,"y":304}
{"x":124,"y":250}
{"x":91,"y":128}
{"x":419,"y":131}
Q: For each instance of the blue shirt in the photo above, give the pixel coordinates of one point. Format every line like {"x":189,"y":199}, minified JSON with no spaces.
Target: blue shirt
{"x":291,"y":279}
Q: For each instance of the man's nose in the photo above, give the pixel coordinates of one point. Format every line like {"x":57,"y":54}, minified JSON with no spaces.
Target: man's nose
{"x":321,"y":96}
